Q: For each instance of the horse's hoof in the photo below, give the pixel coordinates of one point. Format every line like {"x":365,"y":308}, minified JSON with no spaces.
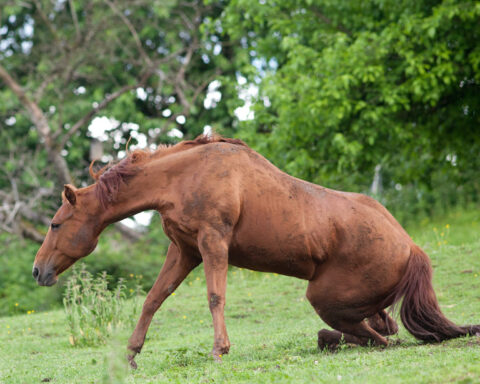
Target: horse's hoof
{"x":131,"y":361}
{"x":217,"y":357}
{"x":325,"y":342}
{"x":324,"y":346}
{"x":217,"y":354}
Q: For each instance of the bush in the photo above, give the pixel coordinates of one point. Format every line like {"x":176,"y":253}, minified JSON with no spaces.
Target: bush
{"x":19,"y":293}
{"x":93,"y":311}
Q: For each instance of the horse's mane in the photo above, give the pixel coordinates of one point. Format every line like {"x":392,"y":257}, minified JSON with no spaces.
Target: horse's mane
{"x":110,"y":178}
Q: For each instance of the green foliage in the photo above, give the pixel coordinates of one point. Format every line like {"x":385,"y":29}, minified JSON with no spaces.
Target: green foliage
{"x":93,"y":311}
{"x":350,"y":85}
{"x":19,"y":293}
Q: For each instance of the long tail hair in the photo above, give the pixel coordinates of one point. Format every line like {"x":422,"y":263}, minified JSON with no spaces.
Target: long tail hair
{"x":420,"y":312}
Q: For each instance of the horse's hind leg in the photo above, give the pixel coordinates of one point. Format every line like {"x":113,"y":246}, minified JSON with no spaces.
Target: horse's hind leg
{"x":331,"y":339}
{"x":343,"y":318}
{"x":383,"y":323}
{"x":356,"y":333}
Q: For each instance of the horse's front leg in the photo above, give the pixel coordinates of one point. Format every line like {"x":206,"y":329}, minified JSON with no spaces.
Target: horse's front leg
{"x":177,"y":266}
{"x":214,"y":250}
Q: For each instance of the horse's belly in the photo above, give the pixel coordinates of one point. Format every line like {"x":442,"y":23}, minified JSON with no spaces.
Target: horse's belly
{"x":288,"y":262}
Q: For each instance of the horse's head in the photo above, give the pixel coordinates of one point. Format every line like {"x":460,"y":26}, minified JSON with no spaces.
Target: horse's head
{"x":73,"y":234}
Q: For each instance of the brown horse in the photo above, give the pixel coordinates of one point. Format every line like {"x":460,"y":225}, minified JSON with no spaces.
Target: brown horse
{"x":222,"y":203}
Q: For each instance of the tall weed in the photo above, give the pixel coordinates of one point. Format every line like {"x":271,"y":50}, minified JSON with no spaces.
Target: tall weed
{"x":93,"y":311}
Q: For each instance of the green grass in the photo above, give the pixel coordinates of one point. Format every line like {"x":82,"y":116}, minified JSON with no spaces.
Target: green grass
{"x":272,"y":328}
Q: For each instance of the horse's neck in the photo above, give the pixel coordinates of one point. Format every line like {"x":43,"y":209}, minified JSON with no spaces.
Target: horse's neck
{"x":123,"y":209}
{"x":150,"y":189}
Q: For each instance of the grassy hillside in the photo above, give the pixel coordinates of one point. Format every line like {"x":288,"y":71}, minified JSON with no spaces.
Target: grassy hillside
{"x":272,"y":328}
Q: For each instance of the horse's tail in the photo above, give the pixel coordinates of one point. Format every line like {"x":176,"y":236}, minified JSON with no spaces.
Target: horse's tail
{"x":420,"y":312}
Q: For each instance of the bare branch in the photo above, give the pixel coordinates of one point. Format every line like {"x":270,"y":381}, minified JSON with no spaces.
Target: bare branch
{"x":46,"y":81}
{"x":180,"y":77}
{"x":31,"y":233}
{"x":107,"y":100}
{"x":133,"y":31}
{"x":328,"y":21}
{"x":170,"y":56}
{"x":40,"y":121}
{"x":187,"y":21}
{"x":19,"y":3}
{"x":45,"y":19}
{"x":180,"y":82}
{"x":35,"y":112}
{"x":74,"y":18}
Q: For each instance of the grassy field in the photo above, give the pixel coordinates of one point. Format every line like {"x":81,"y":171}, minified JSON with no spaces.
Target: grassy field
{"x":272,"y":328}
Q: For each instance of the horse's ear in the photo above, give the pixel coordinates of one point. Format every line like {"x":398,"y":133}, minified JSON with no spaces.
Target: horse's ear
{"x":69,"y":193}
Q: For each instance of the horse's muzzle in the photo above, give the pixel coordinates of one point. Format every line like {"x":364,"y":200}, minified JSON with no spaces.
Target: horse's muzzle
{"x":45,"y":278}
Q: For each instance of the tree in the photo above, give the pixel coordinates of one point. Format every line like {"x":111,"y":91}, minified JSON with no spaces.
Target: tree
{"x":146,"y":65}
{"x":347,"y":86}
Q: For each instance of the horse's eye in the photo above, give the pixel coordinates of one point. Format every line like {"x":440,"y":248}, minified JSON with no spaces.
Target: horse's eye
{"x":55,"y":226}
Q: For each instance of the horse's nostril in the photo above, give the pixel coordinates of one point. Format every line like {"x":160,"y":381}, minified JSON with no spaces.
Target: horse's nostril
{"x":35,"y":272}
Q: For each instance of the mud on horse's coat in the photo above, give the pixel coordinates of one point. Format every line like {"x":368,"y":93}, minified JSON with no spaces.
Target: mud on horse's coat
{"x":222,"y":203}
